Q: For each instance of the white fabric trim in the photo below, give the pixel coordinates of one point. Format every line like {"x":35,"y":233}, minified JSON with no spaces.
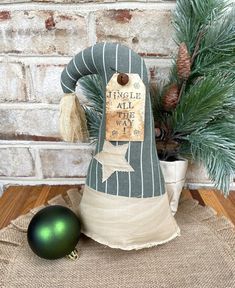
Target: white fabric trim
{"x":127,"y":223}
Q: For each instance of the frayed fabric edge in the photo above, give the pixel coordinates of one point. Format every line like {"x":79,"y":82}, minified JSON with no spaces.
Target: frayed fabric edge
{"x":132,"y":247}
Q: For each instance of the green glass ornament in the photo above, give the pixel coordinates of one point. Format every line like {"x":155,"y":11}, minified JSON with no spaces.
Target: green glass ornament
{"x":53,"y":232}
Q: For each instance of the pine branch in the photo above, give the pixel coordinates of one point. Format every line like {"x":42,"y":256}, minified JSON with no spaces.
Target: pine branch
{"x":193,"y":17}
{"x":214,"y":147}
{"x":217,"y":51}
{"x":202,"y":103}
{"x":91,"y":87}
{"x":194,"y":22}
{"x":93,"y":122}
{"x":197,"y":47}
{"x":220,"y":37}
{"x":156,"y":93}
{"x":208,"y":10}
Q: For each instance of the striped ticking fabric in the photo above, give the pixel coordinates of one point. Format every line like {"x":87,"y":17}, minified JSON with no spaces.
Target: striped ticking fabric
{"x":147,"y":179}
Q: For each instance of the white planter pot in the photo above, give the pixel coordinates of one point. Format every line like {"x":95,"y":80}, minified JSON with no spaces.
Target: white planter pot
{"x":174,"y":174}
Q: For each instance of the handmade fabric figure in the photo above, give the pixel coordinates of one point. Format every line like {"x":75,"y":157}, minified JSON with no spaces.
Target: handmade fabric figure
{"x":124,"y":203}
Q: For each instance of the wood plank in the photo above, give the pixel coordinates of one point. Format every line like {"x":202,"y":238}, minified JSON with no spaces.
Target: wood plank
{"x":7,"y":205}
{"x":13,"y":205}
{"x":185,"y":194}
{"x":42,"y":196}
{"x":213,"y":198}
{"x":19,"y":200}
{"x":210,"y":198}
{"x":196,"y":195}
{"x":227,"y":204}
{"x":30,"y":199}
{"x":231,"y":197}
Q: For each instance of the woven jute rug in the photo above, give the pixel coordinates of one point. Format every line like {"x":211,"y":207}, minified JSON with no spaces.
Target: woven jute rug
{"x":203,"y":256}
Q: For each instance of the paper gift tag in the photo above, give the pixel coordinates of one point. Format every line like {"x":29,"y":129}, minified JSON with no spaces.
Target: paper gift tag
{"x":125,"y":109}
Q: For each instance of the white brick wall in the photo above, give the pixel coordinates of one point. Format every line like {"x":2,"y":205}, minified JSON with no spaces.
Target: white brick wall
{"x":145,"y":31}
{"x":43,"y":162}
{"x":37,"y":39}
{"x":17,"y":162}
{"x":39,"y":32}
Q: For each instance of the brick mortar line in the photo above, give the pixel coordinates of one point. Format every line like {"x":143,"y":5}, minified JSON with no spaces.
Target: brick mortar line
{"x":193,"y":185}
{"x":69,"y":57}
{"x":92,"y":38}
{"x":35,"y":181}
{"x":37,"y":162}
{"x":87,"y":7}
{"x":27,"y":59}
{"x":83,"y":2}
{"x":27,"y":105}
{"x":35,"y":59}
{"x":45,"y":145}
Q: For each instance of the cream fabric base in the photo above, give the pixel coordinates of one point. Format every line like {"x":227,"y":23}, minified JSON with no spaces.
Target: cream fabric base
{"x":127,"y":223}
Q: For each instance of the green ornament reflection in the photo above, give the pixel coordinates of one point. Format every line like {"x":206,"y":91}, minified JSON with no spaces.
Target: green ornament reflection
{"x":53,"y":232}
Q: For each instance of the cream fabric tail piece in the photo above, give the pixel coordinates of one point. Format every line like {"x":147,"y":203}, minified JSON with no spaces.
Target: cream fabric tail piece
{"x":73,"y":126}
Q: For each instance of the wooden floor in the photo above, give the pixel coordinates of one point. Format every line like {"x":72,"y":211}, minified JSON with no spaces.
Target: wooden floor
{"x":19,"y":200}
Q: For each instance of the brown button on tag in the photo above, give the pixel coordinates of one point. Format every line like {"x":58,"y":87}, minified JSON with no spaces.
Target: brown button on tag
{"x":125,"y":108}
{"x":122,"y":79}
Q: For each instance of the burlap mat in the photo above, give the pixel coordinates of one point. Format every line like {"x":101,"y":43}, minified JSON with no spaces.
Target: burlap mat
{"x":202,"y":257}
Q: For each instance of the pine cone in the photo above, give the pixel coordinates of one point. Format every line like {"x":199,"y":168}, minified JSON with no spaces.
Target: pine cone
{"x":183,"y":62}
{"x":171,"y":97}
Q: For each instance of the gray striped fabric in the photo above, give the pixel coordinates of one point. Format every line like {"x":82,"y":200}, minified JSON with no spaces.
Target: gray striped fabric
{"x":147,"y":180}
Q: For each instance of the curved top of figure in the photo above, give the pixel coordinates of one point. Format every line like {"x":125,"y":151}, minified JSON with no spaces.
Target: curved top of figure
{"x":146,"y":179}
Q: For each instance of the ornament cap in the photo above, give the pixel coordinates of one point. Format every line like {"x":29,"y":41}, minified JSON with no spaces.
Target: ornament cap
{"x":73,"y":255}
